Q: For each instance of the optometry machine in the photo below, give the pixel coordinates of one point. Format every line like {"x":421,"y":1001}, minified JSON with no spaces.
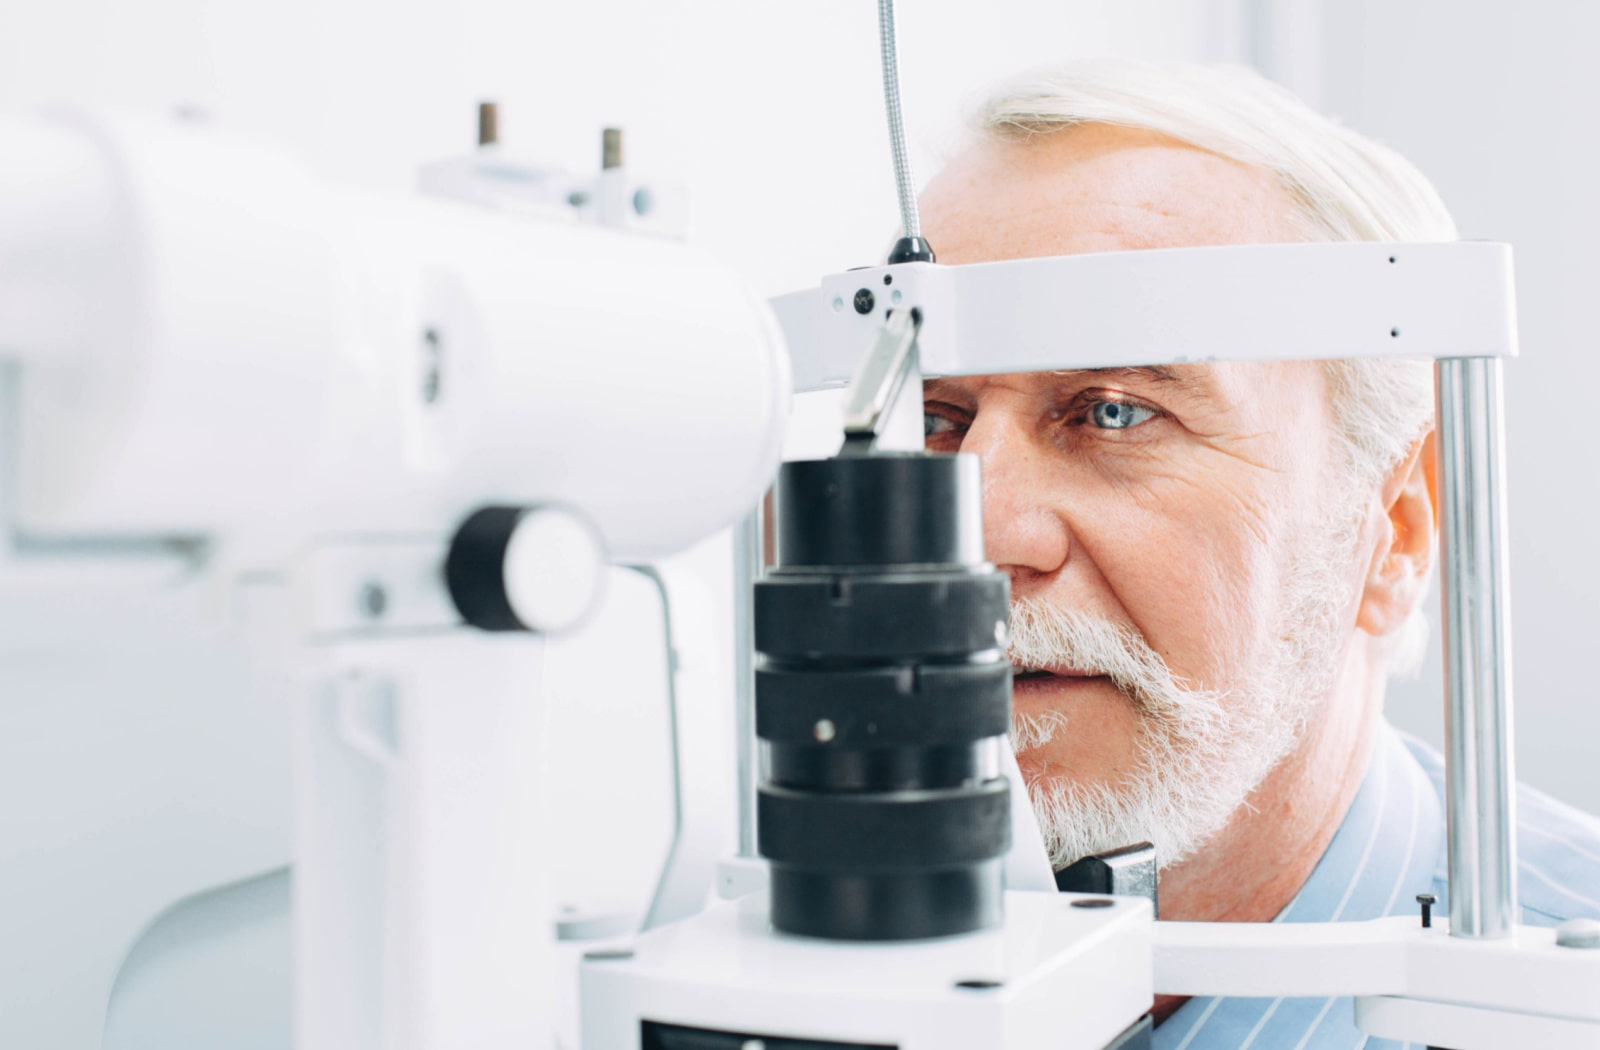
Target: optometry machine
{"x":356,"y":414}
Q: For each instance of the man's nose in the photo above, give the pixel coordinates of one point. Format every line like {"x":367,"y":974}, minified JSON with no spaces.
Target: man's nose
{"x":1025,"y":531}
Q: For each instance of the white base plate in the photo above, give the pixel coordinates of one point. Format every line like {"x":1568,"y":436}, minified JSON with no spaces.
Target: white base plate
{"x":727,"y":970}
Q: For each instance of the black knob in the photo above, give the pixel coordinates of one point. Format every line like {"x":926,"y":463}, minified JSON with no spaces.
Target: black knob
{"x":537,"y":569}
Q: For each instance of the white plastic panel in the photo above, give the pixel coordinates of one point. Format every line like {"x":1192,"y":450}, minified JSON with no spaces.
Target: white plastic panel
{"x":1064,"y":977}
{"x":1526,"y":973}
{"x":1430,"y":1023}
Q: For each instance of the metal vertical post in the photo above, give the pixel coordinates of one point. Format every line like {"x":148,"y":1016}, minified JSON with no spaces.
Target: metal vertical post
{"x":1480,"y":772}
{"x":10,"y":453}
{"x":747,"y":568}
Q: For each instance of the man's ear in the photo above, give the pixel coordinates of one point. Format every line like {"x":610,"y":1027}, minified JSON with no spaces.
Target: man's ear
{"x":1408,"y":541}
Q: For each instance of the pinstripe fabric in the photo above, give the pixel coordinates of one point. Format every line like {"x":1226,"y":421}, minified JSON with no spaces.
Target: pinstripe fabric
{"x":1390,"y":848}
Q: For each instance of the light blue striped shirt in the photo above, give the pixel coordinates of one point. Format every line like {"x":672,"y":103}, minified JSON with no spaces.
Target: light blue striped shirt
{"x":1390,"y":848}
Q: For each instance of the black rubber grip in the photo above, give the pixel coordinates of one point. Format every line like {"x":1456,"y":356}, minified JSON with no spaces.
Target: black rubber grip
{"x":890,"y":831}
{"x":899,"y":616}
{"x":885,"y":706}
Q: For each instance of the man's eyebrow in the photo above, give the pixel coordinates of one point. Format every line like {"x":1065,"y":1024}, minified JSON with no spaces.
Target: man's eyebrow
{"x":1196,"y":385}
{"x":1157,"y":373}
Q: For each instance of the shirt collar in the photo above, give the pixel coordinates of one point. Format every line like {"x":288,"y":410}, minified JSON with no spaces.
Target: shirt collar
{"x":1384,"y":853}
{"x":1386,"y":848}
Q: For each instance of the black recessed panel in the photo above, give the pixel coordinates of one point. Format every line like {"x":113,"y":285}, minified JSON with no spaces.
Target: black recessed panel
{"x":656,"y":1036}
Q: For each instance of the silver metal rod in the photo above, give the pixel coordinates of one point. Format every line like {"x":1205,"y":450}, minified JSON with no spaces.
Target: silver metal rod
{"x":1480,"y":773}
{"x":747,"y":568}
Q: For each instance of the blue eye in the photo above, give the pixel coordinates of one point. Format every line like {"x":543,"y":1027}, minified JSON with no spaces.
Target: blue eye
{"x":1118,"y":415}
{"x":934,"y":424}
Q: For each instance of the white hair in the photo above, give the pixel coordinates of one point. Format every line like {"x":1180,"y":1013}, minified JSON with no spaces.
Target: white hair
{"x":1344,"y":187}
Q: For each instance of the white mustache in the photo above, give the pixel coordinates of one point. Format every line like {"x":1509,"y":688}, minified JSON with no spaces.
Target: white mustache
{"x":1044,"y":636}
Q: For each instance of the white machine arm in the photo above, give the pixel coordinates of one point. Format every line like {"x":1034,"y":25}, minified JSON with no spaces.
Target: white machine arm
{"x":1273,"y":302}
{"x":1411,"y":983}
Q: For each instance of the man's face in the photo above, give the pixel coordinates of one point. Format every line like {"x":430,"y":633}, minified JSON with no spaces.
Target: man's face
{"x":1187,"y":516}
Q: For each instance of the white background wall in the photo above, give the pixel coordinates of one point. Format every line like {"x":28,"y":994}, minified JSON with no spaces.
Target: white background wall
{"x":772,"y":113}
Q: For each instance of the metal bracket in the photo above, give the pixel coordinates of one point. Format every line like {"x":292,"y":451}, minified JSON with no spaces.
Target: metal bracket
{"x":879,"y":381}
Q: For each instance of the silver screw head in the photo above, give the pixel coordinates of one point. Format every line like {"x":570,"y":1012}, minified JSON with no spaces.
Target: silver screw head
{"x":824,"y":730}
{"x":1579,"y":933}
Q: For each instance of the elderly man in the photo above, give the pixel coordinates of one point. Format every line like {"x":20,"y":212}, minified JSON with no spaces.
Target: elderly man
{"x":1216,"y":567}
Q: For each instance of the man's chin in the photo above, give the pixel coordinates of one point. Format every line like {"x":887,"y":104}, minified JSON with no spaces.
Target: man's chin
{"x":1048,"y":772}
{"x":1090,"y":736}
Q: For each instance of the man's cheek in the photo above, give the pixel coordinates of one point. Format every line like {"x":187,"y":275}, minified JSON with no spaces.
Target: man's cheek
{"x":1197,"y":606}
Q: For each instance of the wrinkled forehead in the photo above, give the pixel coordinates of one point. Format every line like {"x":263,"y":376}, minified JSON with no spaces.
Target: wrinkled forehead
{"x":1095,"y":188}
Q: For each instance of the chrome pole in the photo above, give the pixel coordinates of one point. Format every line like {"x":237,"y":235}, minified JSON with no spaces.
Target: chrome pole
{"x":1480,"y":775}
{"x":747,"y":568}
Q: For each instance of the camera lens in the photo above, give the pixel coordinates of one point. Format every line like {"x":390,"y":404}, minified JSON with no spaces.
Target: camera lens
{"x":881,"y":693}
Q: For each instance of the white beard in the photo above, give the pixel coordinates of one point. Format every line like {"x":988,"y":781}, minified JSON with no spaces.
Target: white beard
{"x":1200,"y":751}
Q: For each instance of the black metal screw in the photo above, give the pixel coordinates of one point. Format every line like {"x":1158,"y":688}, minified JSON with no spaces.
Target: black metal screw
{"x":432,"y":372}
{"x":865,"y":301}
{"x":374,"y":600}
{"x":888,"y":278}
{"x":488,"y":123}
{"x":1427,"y":900}
{"x":1094,"y":902}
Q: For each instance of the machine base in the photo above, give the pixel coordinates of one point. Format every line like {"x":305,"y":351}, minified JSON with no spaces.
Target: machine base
{"x":727,"y":978}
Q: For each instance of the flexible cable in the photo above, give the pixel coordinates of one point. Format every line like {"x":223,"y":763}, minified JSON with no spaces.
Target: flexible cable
{"x":910,"y":222}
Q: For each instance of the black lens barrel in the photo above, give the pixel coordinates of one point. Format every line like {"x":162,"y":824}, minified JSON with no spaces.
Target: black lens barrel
{"x":880,"y":510}
{"x":882,"y":689}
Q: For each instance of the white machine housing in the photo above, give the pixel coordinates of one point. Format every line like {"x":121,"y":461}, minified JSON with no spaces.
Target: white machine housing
{"x":214,"y":363}
{"x":193,"y":310}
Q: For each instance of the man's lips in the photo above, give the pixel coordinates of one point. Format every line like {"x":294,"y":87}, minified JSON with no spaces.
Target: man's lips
{"x":1036,"y":682}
